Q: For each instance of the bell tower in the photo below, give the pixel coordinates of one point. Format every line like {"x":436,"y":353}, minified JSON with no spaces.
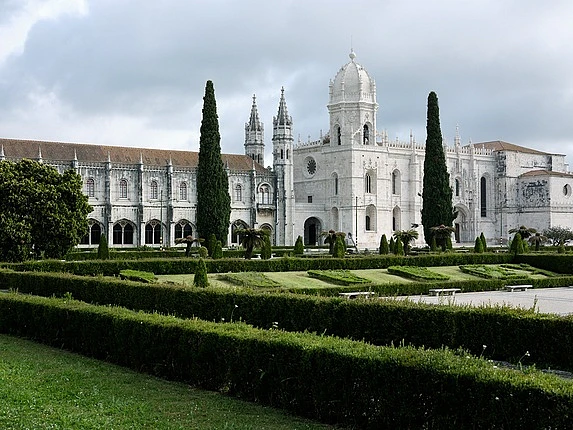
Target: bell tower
{"x":283,"y":167}
{"x":254,"y":136}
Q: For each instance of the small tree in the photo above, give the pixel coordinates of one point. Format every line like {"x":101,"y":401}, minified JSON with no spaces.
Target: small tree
{"x":298,"y":246}
{"x":266,"y":249}
{"x":398,"y":247}
{"x":516,"y":244}
{"x":406,"y":237}
{"x":339,"y":248}
{"x":483,"y":242}
{"x":478,"y":247}
{"x":200,"y":278}
{"x":211,"y":244}
{"x":189,"y":241}
{"x":443,"y":235}
{"x":384,"y":249}
{"x":558,"y":235}
{"x":251,"y":238}
{"x":217,"y":251}
{"x":561,"y":249}
{"x":433,"y":244}
{"x":536,"y":240}
{"x":203,"y":252}
{"x":524,"y":232}
{"x":330,"y":239}
{"x":103,"y":248}
{"x":392,"y":245}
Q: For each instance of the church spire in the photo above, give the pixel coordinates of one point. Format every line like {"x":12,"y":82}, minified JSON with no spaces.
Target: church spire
{"x":254,"y":135}
{"x":282,"y":117}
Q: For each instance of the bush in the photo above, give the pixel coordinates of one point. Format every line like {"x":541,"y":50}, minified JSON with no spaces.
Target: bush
{"x":203,"y":252}
{"x":200,"y":278}
{"x":415,"y":272}
{"x":339,"y":277}
{"x":217,"y":250}
{"x":398,"y":247}
{"x":483,"y":241}
{"x":384,"y":248}
{"x":266,"y":249}
{"x":335,"y":380}
{"x":478,"y":247}
{"x":137,"y":275}
{"x":298,"y":246}
{"x":103,"y":249}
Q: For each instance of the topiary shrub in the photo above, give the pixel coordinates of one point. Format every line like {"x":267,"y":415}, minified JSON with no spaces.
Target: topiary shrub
{"x":200,"y":278}
{"x":339,"y":249}
{"x":478,"y":247}
{"x":266,"y":249}
{"x":483,"y":241}
{"x":384,"y":248}
{"x":398,"y":247}
{"x":211,"y":243}
{"x":298,"y":246}
{"x":203,"y":252}
{"x":103,"y":248}
{"x":217,"y":250}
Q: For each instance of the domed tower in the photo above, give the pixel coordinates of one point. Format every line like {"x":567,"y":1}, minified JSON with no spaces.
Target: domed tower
{"x":254,"y":136}
{"x":283,"y":167}
{"x":352,"y":106}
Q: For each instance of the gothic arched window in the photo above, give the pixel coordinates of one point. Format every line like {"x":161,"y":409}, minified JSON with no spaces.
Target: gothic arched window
{"x":238,"y":193}
{"x":368,"y":183}
{"x":183,"y":191}
{"x":338,"y":136}
{"x":123,"y":189}
{"x":90,"y":187}
{"x":483,"y":197}
{"x":153,"y":190}
{"x":366,"y":135}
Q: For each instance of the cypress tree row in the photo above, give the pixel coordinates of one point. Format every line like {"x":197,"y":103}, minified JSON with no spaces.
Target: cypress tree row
{"x":437,"y":206}
{"x":213,"y":200}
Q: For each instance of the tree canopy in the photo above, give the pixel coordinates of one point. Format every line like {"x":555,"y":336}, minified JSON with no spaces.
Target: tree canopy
{"x":437,"y":206}
{"x":213,"y":199}
{"x":42,"y":212}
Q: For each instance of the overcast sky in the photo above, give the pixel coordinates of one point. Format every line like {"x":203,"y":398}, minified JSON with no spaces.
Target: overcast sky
{"x":133,"y":72}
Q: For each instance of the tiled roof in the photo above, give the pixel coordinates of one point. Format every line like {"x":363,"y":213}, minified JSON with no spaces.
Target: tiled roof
{"x":500,"y":145}
{"x":88,"y":153}
{"x":546,"y":173}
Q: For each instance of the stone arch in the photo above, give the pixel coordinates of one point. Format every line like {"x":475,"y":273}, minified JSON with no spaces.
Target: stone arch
{"x":396,"y":182}
{"x":462,"y":233}
{"x":396,"y":219}
{"x":154,"y":232}
{"x":312,"y":229}
{"x":370,"y":218}
{"x":124,"y":232}
{"x":269,"y":229}
{"x":183,"y":228}
{"x":235,"y":226}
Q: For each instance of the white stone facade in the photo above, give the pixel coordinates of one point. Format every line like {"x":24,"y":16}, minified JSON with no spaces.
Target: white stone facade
{"x":353,"y":180}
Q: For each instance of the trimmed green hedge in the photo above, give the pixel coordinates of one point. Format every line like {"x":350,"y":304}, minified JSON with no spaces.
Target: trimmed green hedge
{"x":507,"y":333}
{"x":415,"y":272}
{"x":286,"y":264}
{"x":558,"y":263}
{"x":339,"y":277}
{"x":330,"y":379}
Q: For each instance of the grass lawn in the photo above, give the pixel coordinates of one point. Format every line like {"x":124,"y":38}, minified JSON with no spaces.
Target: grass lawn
{"x":295,"y":280}
{"x":45,"y":388}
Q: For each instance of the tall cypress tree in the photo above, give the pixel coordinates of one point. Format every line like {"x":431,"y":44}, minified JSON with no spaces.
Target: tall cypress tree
{"x":213,"y":200}
{"x":437,"y":206}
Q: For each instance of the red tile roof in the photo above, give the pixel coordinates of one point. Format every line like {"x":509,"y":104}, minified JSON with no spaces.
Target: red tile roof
{"x":546,"y":173}
{"x":500,"y":145}
{"x":63,"y":151}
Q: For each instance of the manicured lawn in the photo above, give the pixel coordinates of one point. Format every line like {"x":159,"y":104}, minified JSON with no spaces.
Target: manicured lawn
{"x":45,"y":388}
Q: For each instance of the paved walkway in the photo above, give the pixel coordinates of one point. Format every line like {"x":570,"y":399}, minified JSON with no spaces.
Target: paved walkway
{"x":546,"y":300}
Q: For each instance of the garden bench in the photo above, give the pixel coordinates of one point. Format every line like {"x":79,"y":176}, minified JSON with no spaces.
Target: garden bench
{"x":443,"y":291}
{"x":356,"y":294}
{"x":513,"y":288}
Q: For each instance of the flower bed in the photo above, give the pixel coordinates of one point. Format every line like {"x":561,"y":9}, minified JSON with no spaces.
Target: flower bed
{"x":415,"y":272}
{"x":338,"y":277}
